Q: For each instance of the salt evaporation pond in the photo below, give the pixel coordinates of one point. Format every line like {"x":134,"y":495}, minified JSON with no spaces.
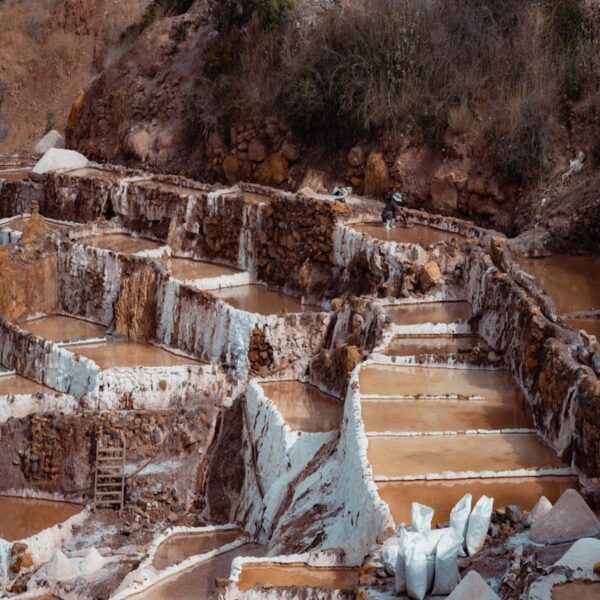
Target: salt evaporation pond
{"x":435,"y":415}
{"x":19,"y":224}
{"x":392,"y":456}
{"x":433,"y":344}
{"x":413,"y":381}
{"x":442,"y":494}
{"x":304,"y":407}
{"x":416,"y":234}
{"x":573,"y":282}
{"x":198,"y":581}
{"x":590,"y":326}
{"x":187,"y":269}
{"x":61,"y":328}
{"x":258,"y":299}
{"x":120,"y":242}
{"x":14,"y":175}
{"x":15,"y":384}
{"x":125,"y":354}
{"x":429,"y":312}
{"x":281,"y":575}
{"x":180,"y":546}
{"x":577,"y":590}
{"x":23,"y":517}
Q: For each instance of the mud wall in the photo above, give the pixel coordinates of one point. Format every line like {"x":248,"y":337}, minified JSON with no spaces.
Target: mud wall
{"x":563,"y":392}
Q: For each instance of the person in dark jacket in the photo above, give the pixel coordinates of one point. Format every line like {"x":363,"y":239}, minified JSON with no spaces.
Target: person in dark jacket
{"x":394,"y":211}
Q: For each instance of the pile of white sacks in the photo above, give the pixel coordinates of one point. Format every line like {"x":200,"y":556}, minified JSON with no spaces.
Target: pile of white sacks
{"x":426,"y":560}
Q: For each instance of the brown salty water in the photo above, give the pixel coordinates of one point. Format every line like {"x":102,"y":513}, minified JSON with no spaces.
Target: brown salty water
{"x":390,"y":380}
{"x":19,"y":224}
{"x":258,"y":299}
{"x":304,"y":407}
{"x":417,"y":234}
{"x":442,"y":495}
{"x":60,"y":328}
{"x":429,"y":312}
{"x":186,"y":268}
{"x":121,"y":353}
{"x":413,"y":456}
{"x":443,"y":415}
{"x":590,"y":326}
{"x":15,"y":384}
{"x":577,"y":590}
{"x":15,"y":175}
{"x":432,"y":344}
{"x":180,"y":546}
{"x":23,"y":517}
{"x":573,"y":282}
{"x":198,"y":582}
{"x":279,"y":575}
{"x":120,"y":242}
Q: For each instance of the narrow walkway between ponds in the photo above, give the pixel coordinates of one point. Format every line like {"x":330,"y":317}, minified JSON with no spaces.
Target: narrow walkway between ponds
{"x":439,"y":430}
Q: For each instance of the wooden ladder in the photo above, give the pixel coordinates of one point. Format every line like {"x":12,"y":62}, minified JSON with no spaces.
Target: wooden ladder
{"x":109,"y":483}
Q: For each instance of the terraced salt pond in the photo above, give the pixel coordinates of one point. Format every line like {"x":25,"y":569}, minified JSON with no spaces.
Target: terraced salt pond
{"x":126,"y":354}
{"x":577,"y":590}
{"x":198,"y":581}
{"x":19,"y":224}
{"x":433,"y":415}
{"x":258,"y":299}
{"x":178,"y":547}
{"x":433,"y":344}
{"x":573,"y":282}
{"x":15,"y":384}
{"x":406,"y":457}
{"x":444,"y":494}
{"x":120,"y":242}
{"x":14,"y":175}
{"x":62,"y":328}
{"x":419,"y":381}
{"x":23,"y":517}
{"x":415,"y":234}
{"x":429,"y":312}
{"x":303,"y":406}
{"x":189,"y":269}
{"x":281,"y":575}
{"x":590,"y":326}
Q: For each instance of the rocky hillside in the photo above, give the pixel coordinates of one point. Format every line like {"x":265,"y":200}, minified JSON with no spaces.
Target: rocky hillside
{"x":469,"y":108}
{"x":51,"y":50}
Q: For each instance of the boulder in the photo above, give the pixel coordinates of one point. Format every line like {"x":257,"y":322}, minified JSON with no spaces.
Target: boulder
{"x":256,"y":151}
{"x":356,"y":156}
{"x":473,"y":587}
{"x":570,"y":519}
{"x":444,"y":193}
{"x":290,"y":151}
{"x":232,"y":167}
{"x":274,"y":170}
{"x":430,"y":276}
{"x":138,"y":144}
{"x":53,"y":139}
{"x":540,"y":510}
{"x":57,"y":159}
{"x":315,"y":181}
{"x":377,"y":177}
